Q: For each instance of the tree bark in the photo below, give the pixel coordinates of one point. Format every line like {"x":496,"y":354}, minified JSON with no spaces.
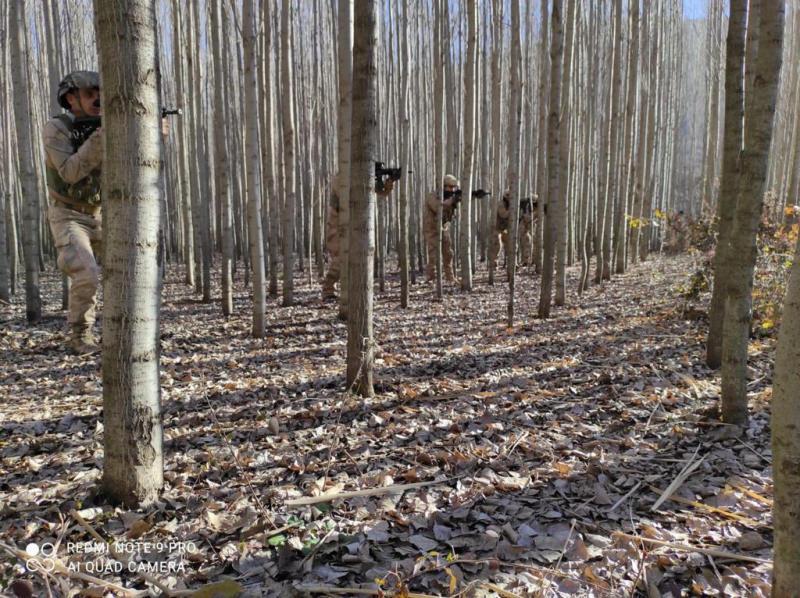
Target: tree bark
{"x":27,"y":177}
{"x":785,"y":422}
{"x":133,"y":463}
{"x":468,"y":154}
{"x":360,"y":343}
{"x":759,"y":115}
{"x":732,"y":147}
{"x":554,"y":200}
{"x":289,"y":175}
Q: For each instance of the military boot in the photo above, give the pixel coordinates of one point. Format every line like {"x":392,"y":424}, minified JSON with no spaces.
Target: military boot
{"x":81,"y":340}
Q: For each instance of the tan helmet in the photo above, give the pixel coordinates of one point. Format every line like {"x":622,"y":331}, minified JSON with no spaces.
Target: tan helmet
{"x":76,"y":80}
{"x":449,"y":181}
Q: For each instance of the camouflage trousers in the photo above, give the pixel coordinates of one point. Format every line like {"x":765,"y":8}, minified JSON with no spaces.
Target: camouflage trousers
{"x":431,"y":240}
{"x":499,"y":238}
{"x":78,"y":238}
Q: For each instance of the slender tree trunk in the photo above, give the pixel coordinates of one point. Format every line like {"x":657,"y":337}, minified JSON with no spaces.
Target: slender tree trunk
{"x":561,"y":207}
{"x":253,"y":158}
{"x":221,"y":162}
{"x":555,"y":210}
{"x":289,"y":156}
{"x":786,"y":442}
{"x":513,"y":173}
{"x":27,"y":177}
{"x":345,"y":55}
{"x":127,"y":42}
{"x":497,"y":116}
{"x":360,"y":343}
{"x":759,"y":116}
{"x":732,"y":147}
{"x":405,"y":154}
{"x":468,"y":155}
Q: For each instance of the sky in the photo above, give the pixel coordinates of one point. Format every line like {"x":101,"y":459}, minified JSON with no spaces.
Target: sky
{"x":694,"y":9}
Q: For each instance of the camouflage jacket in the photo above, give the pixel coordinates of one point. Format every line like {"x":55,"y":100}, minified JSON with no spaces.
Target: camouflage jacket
{"x":73,"y":175}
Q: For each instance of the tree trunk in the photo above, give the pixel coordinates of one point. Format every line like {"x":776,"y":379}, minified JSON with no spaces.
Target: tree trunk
{"x":133,"y":463}
{"x":343,"y":129}
{"x":360,"y":343}
{"x":27,"y":177}
{"x":290,"y":194}
{"x":513,"y":178}
{"x":253,"y":159}
{"x":221,"y":162}
{"x":732,"y":147}
{"x":555,"y":212}
{"x":786,"y":442}
{"x":468,"y":155}
{"x":759,"y":115}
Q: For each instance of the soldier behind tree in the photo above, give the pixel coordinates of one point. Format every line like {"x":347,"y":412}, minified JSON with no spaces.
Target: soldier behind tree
{"x":73,"y":185}
{"x":332,"y":240}
{"x":429,"y":228}
{"x":500,"y":231}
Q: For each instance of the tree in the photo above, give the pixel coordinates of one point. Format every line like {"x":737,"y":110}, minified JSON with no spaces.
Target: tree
{"x":221,"y":154}
{"x":555,"y":209}
{"x":759,"y":115}
{"x":254,"y":229}
{"x":513,"y":172}
{"x":469,"y":148}
{"x":133,"y":463}
{"x":732,"y":147}
{"x":786,"y":442}
{"x":27,"y":176}
{"x":360,"y":344}
{"x":343,"y":129}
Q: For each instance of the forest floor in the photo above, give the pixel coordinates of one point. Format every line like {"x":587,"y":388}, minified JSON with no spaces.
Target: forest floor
{"x":542,"y":450}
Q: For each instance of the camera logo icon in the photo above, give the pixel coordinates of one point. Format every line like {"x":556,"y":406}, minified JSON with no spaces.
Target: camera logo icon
{"x":41,"y":557}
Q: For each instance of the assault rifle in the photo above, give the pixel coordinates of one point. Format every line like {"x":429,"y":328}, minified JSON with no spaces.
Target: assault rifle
{"x":458,"y":193}
{"x":84,"y":126}
{"x":382,"y":174}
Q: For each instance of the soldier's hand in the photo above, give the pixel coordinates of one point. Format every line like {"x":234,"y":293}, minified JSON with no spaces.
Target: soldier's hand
{"x":388,"y":185}
{"x":165,"y":127}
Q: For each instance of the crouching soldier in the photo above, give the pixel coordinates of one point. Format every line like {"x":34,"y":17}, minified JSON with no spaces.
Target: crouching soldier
{"x":73,"y":186}
{"x":332,"y":239}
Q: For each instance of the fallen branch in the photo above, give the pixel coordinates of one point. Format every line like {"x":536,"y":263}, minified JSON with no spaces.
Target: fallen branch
{"x":723,"y":554}
{"x":329,"y":496}
{"x":356,"y":591}
{"x":679,"y":480}
{"x":709,"y":508}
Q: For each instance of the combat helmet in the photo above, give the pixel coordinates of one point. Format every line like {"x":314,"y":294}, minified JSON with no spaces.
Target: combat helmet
{"x":76,"y":80}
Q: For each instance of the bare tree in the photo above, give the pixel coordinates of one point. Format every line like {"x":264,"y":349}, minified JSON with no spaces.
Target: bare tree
{"x":253,"y":158}
{"x":360,"y":343}
{"x":554,"y":199}
{"x":468,"y":154}
{"x":27,"y":176}
{"x":732,"y":146}
{"x":759,"y":114}
{"x":786,"y":442}
{"x":133,"y":461}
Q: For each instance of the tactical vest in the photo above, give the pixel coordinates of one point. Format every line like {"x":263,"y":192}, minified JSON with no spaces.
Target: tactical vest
{"x":87,"y":190}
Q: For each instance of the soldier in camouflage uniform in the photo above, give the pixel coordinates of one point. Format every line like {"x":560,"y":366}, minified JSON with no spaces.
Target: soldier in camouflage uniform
{"x":332,"y":236}
{"x":429,"y":228}
{"x":73,"y":185}
{"x":527,"y":215}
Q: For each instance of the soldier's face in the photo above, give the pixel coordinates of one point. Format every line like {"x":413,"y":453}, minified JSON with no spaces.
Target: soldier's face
{"x":449,"y":188}
{"x":85,"y":102}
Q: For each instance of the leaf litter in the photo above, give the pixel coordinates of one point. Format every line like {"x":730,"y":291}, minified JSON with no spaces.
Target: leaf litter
{"x":578,"y":456}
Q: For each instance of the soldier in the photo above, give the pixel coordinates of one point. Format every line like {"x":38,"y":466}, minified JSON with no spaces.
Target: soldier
{"x":73,"y":185}
{"x":332,"y":235}
{"x":449,"y":204}
{"x":527,"y":214}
